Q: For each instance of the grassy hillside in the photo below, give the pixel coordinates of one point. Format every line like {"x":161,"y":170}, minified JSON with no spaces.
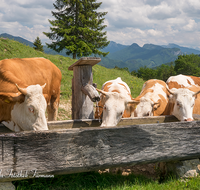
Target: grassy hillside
{"x":13,"y":49}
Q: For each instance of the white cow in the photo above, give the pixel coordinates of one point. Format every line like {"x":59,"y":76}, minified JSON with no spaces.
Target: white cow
{"x":115,"y":102}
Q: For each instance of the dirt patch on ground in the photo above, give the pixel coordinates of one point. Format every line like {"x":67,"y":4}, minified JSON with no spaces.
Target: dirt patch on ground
{"x":148,"y":170}
{"x":65,"y":110}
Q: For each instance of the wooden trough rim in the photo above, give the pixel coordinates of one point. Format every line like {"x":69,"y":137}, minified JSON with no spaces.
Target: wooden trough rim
{"x":84,"y":123}
{"x":81,"y":129}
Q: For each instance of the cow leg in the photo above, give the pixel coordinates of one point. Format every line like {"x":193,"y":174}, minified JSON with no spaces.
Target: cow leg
{"x":12,"y":126}
{"x":52,"y":108}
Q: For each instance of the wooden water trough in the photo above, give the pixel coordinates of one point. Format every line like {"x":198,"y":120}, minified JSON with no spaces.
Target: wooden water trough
{"x":80,"y":145}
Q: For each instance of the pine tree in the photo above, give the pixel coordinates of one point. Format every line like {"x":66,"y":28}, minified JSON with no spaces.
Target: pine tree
{"x":78,"y":28}
{"x":38,"y":45}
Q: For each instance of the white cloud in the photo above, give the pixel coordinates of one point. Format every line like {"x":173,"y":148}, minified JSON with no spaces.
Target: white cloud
{"x":135,"y":21}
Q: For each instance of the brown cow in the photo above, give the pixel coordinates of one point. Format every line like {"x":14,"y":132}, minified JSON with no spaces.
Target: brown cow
{"x":153,"y":99}
{"x":24,"y":86}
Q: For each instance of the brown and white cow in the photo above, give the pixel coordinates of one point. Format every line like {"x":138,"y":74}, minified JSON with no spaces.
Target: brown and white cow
{"x":153,"y":99}
{"x":24,"y":86}
{"x":114,"y":102}
{"x":185,"y":98}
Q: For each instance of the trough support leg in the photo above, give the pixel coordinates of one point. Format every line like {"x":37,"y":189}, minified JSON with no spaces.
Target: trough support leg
{"x":7,"y":186}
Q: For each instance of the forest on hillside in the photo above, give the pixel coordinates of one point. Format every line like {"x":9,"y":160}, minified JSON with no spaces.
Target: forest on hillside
{"x":184,"y":64}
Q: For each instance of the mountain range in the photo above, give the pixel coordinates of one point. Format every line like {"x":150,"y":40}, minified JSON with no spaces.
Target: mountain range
{"x":131,"y":56}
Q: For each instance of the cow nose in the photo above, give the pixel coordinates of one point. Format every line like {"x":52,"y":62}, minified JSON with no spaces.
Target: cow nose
{"x":189,"y":119}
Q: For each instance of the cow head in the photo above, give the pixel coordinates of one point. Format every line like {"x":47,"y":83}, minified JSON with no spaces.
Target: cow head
{"x":146,"y":107}
{"x":114,"y":106}
{"x":29,"y":107}
{"x":183,"y":100}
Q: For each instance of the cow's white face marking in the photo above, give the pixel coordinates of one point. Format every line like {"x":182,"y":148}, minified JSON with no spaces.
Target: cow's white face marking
{"x":183,"y":100}
{"x":30,"y":115}
{"x":145,"y":107}
{"x":113,"y":109}
{"x":181,"y":80}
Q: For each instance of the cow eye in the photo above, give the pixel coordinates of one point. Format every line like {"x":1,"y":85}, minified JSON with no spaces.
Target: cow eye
{"x":104,"y":107}
{"x":31,"y":109}
{"x":178,"y":104}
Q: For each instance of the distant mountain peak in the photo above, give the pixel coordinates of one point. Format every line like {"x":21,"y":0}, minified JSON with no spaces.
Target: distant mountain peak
{"x":17,"y":38}
{"x":134,"y":45}
{"x":152,"y":46}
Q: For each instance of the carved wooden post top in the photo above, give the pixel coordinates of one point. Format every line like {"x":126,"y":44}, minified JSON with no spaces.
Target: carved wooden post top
{"x":85,"y":61}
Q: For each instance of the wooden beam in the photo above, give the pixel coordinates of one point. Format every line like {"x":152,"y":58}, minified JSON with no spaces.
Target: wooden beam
{"x":82,"y":106}
{"x":89,"y":149}
{"x":91,"y":91}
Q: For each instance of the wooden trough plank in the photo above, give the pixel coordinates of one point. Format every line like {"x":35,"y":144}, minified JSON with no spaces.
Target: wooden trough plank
{"x":66,"y":124}
{"x":79,"y":123}
{"x":88,"y":149}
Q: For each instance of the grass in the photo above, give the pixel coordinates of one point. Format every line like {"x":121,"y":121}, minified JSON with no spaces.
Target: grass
{"x":13,"y":49}
{"x":106,"y":181}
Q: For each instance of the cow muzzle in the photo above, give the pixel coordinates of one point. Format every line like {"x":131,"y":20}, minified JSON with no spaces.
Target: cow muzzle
{"x":189,"y":119}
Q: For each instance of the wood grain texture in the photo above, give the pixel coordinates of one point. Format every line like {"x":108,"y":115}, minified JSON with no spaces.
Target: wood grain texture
{"x":88,"y":149}
{"x":82,"y":106}
{"x":91,"y":92}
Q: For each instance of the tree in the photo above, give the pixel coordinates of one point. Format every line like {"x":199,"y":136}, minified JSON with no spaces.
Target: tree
{"x":78,"y":28}
{"x":38,"y":45}
{"x":188,"y":65}
{"x":163,"y":72}
{"x":146,"y":73}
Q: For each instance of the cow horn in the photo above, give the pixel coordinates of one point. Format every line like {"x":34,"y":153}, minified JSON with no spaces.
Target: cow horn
{"x":196,"y":93}
{"x":43,"y":86}
{"x":22,"y":90}
{"x":169,"y":90}
{"x":102,"y":92}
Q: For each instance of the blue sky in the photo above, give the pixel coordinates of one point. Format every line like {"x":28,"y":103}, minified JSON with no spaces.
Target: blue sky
{"x":136,"y":21}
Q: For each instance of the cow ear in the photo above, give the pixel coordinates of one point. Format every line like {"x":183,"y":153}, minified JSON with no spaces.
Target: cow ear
{"x":132,"y":104}
{"x":12,"y":97}
{"x":133,"y":101}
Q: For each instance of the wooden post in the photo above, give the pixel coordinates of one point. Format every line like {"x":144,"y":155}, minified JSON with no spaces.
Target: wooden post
{"x":83,"y":93}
